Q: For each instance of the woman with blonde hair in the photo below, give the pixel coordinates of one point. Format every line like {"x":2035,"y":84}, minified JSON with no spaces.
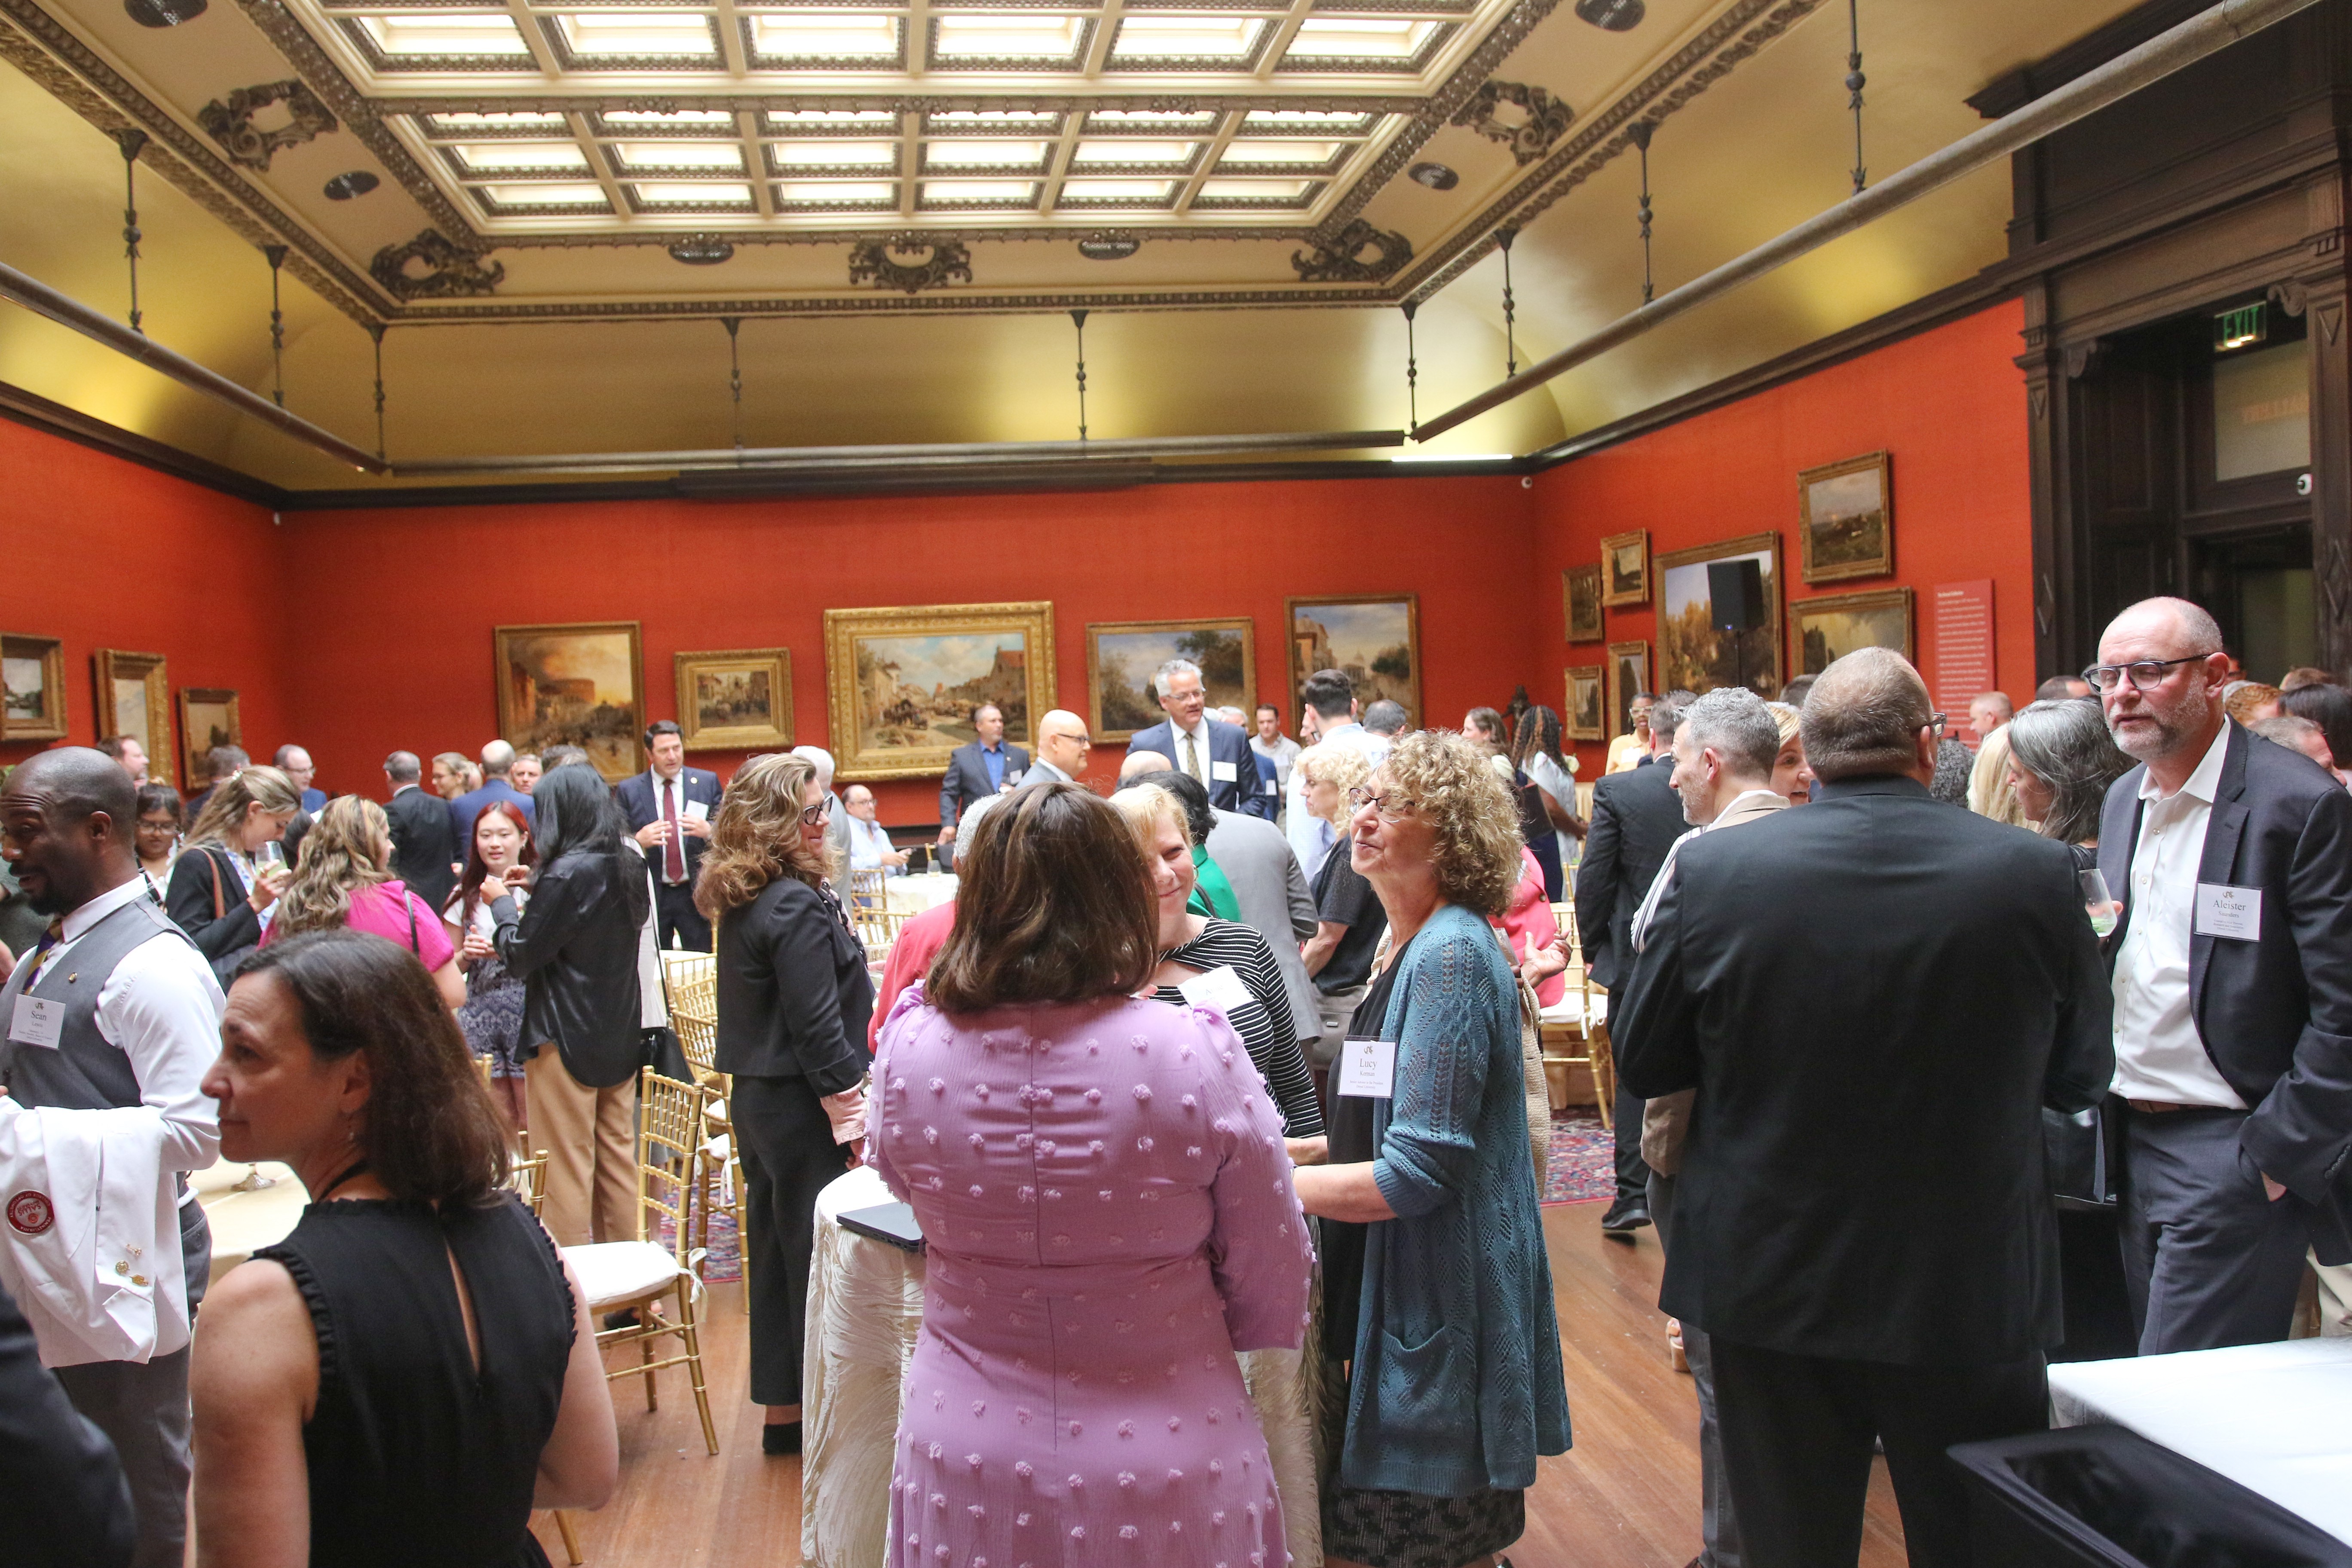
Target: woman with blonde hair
{"x":1435,"y":1281}
{"x":1992,"y":784}
{"x":1209,"y":962}
{"x":345,"y":882}
{"x":794,"y":995}
{"x":1790,"y":777}
{"x":220,"y":886}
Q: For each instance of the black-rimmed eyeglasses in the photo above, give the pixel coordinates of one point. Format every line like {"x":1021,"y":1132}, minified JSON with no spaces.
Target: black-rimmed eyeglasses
{"x":813,"y":814}
{"x":2144,"y":673}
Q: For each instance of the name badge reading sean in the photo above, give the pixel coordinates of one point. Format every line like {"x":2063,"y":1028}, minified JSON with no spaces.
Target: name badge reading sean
{"x":1221,"y":988}
{"x":1367,"y":1068}
{"x":2233,"y":912}
{"x":38,"y":1022}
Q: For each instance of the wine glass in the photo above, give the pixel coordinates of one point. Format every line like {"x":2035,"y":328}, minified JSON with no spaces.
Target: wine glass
{"x":2097,"y":902}
{"x":270,"y":856}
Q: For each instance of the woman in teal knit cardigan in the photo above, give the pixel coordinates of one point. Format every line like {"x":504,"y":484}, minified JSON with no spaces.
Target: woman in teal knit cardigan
{"x":1457,"y":1385}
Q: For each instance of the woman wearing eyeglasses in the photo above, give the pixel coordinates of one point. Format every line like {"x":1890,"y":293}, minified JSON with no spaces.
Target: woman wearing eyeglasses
{"x":793,"y":999}
{"x":1435,"y":1282}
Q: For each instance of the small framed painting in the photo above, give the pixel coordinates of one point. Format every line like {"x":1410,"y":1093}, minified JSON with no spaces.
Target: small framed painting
{"x":1374,"y":638}
{"x":1847,"y":514}
{"x":1629,"y":676}
{"x":134,"y":699}
{"x":208,"y":719}
{"x":1588,"y":706}
{"x":1122,"y":655}
{"x":579,"y":685}
{"x":905,"y":681}
{"x":1625,"y":569}
{"x":1580,"y":594}
{"x":736,"y":701}
{"x":33,"y":686}
{"x":1826,"y":630}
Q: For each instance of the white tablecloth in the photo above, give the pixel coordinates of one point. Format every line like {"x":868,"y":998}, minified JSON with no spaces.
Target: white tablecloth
{"x":2271,"y":1418}
{"x":865,"y":1303}
{"x":915,"y":894}
{"x":242,"y":1221}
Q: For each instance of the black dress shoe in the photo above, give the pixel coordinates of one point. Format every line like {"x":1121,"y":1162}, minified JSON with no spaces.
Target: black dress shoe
{"x":1624,"y":1218}
{"x":780,"y":1437}
{"x":627,"y":1318}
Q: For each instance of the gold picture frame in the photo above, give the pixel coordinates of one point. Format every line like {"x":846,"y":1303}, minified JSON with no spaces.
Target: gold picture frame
{"x":1841,"y":623}
{"x":1586,"y":716}
{"x":579,"y":684}
{"x":1629,"y":676}
{"x":885,"y":726}
{"x":735,"y":699}
{"x":33,"y":679}
{"x":134,"y":699}
{"x":1625,"y":569}
{"x":1375,"y":638}
{"x":1846,"y":517}
{"x":208,"y":717}
{"x":1693,"y":656}
{"x":1122,"y":655}
{"x":1580,"y":600}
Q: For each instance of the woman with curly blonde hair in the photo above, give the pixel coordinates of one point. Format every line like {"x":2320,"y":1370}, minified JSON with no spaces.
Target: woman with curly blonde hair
{"x":793,"y":999}
{"x":343,"y":882}
{"x":1435,"y":1281}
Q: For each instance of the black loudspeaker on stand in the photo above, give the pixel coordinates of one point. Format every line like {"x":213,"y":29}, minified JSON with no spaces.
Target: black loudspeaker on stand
{"x":1734,"y":591}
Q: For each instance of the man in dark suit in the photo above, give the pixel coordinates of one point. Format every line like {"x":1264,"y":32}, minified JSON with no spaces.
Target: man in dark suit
{"x":669,"y":808}
{"x":2232,"y":969}
{"x":1875,"y":996}
{"x":498,"y":762}
{"x":976,"y":770}
{"x":422,"y":846}
{"x":1637,"y":817}
{"x":1210,"y":749}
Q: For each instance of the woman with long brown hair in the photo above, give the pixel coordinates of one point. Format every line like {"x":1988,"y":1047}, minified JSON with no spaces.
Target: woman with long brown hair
{"x":794,"y":1000}
{"x":345,"y":882}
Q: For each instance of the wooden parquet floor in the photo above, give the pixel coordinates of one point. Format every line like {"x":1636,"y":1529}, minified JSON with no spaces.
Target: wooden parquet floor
{"x":1626,"y":1496}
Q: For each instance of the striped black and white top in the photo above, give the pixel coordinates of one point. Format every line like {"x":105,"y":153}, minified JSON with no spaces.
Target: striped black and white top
{"x":1262,"y":1022}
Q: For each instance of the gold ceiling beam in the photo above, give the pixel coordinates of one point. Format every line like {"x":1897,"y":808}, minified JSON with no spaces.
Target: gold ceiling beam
{"x":816,"y":460}
{"x":2206,"y":33}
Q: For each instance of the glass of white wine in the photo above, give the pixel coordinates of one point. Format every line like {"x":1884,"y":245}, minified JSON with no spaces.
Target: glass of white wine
{"x":2097,"y":902}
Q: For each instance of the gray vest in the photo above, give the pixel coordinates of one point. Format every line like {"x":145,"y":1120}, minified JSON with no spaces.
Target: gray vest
{"x":85,"y":1072}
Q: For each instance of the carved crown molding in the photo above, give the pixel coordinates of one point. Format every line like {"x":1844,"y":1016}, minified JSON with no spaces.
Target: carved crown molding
{"x":944,"y":262}
{"x":230,"y":120}
{"x":1344,"y":259}
{"x":1547,"y":118}
{"x":451,"y":271}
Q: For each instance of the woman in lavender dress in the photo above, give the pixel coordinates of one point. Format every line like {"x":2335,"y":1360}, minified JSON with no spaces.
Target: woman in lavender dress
{"x":1108,"y":1207}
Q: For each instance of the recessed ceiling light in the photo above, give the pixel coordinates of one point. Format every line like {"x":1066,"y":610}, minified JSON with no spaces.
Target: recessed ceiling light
{"x":668,"y":119}
{"x":824,"y":194}
{"x":1329,"y":122}
{"x":676,"y":192}
{"x":460,"y":122}
{"x":1279,"y":152}
{"x":1257,"y":190}
{"x":988,"y":121}
{"x":163,"y":13}
{"x":822,"y":36}
{"x":1436,"y":176}
{"x":977,"y":154}
{"x":1130,"y":120}
{"x":343,"y":187}
{"x":1108,"y":247}
{"x":440,"y":34}
{"x":701,"y":250}
{"x":1613,"y":16}
{"x":962,"y":191}
{"x":1083,"y":191}
{"x":1024,"y":38}
{"x":677,"y":35}
{"x":820,"y":120}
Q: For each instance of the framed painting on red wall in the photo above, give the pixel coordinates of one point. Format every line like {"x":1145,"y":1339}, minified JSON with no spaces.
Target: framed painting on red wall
{"x":1374,"y":638}
{"x":739,"y":699}
{"x":1846,"y":517}
{"x":1625,"y":569}
{"x":1579,"y":589}
{"x":1587,"y":712}
{"x":208,"y":719}
{"x":1629,"y":675}
{"x":903,"y":683}
{"x":134,"y":699}
{"x":1719,"y":616}
{"x":578,"y":685}
{"x":32,"y":687}
{"x":1825,"y":629}
{"x":1122,"y":655}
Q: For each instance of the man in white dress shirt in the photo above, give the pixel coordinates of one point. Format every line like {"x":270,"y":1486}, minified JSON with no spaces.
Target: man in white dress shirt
{"x":1329,"y":698}
{"x":1276,"y":753}
{"x":869,"y":842}
{"x":115,"y":1007}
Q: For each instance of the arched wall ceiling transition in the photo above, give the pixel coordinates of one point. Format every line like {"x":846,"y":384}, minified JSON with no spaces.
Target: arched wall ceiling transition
{"x":902,"y":217}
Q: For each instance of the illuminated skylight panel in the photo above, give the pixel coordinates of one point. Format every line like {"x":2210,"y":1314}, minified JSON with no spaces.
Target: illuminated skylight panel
{"x":680,"y":193}
{"x":1300,"y":152}
{"x":1173,"y":154}
{"x":835,"y":155}
{"x":463,"y":123}
{"x":965,"y":193}
{"x":511,"y":157}
{"x":664,"y":34}
{"x":445,"y":35}
{"x":668,"y":119}
{"x":1111,"y":121}
{"x":1082,"y":191}
{"x":546,"y":194}
{"x":1145,"y":39}
{"x":722,"y":156}
{"x":982,"y":153}
{"x":1373,"y":39}
{"x":1287,"y":191}
{"x":836,"y":194}
{"x":826,"y":36}
{"x":1018,"y":36}
{"x":817,"y":120}
{"x":989,"y":121}
{"x":1344,"y":122}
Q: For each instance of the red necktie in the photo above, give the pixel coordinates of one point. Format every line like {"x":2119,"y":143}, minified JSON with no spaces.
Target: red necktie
{"x":673,"y":850}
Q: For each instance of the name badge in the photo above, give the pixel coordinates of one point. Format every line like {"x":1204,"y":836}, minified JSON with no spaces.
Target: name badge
{"x":38,"y":1022}
{"x":1273,"y":786}
{"x":1220,"y":988}
{"x":1225,"y":773}
{"x":700,"y":810}
{"x":1367,"y":1068}
{"x":2234,"y":912}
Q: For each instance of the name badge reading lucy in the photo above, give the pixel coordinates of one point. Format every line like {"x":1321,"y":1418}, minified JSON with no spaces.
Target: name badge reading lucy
{"x":38,"y":1022}
{"x":2234,"y":912}
{"x":1367,"y":1068}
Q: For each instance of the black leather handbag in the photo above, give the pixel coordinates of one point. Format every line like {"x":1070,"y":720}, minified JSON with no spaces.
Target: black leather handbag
{"x":2079,"y":1158}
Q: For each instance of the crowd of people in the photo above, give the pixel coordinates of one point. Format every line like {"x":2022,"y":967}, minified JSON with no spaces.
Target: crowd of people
{"x":1233,"y":1060}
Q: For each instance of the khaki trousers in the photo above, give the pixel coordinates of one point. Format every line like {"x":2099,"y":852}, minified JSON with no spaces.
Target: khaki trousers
{"x":591,"y":1139}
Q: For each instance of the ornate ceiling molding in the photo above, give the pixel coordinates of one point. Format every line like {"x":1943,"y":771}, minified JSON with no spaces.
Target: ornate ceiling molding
{"x":229,"y":121}
{"x":1547,"y":119}
{"x":451,"y":271}
{"x":873,"y":262}
{"x":1343,"y":259}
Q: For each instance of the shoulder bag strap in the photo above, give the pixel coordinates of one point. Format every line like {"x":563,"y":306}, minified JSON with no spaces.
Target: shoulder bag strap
{"x":220,"y":905}
{"x":410,"y":900}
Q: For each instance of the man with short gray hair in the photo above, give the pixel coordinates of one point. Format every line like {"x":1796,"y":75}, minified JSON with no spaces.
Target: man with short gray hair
{"x":1216,"y":754}
{"x":1874,"y":998}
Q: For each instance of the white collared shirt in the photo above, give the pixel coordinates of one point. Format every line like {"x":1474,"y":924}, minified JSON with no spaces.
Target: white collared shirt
{"x":1310,"y":837}
{"x":1200,"y":736}
{"x":162,"y":1008}
{"x":868,"y":842}
{"x":2159,"y":1053}
{"x":677,"y":805}
{"x":1658,"y":883}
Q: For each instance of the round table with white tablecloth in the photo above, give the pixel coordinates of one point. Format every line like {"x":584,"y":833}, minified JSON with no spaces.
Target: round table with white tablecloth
{"x":913,"y":894}
{"x":865,"y":1304}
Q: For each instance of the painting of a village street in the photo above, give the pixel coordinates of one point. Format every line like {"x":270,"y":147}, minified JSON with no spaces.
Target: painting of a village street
{"x":905,"y":681}
{"x":1374,"y":638}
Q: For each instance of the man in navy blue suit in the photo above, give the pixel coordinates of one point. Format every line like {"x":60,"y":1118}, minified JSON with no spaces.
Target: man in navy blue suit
{"x":1212,"y":751}
{"x":498,"y":762}
{"x":669,"y":808}
{"x":979,"y":768}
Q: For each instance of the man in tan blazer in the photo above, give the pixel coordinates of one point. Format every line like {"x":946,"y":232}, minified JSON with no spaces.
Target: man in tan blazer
{"x":1723,"y":771}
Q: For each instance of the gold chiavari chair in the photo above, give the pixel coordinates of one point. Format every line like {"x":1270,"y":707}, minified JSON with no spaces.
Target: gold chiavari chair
{"x":694,"y":1015}
{"x":866,"y":889}
{"x":877,"y":929}
{"x":1575,"y":1033}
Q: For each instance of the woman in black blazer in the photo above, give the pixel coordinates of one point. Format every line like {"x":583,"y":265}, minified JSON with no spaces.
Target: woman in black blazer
{"x":794,"y":1001}
{"x":576,"y":947}
{"x":218,"y":890}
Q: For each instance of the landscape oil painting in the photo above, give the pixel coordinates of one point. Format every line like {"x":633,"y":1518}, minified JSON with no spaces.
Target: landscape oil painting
{"x":1374,"y":638}
{"x":1121,"y":657}
{"x":1829,"y":628}
{"x":736,"y":699}
{"x":904,"y":681}
{"x":576,"y":684}
{"x":1719,"y":616}
{"x":1847,"y":519}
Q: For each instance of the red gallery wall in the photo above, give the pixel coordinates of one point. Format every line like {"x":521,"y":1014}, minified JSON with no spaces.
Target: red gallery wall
{"x":405,"y":658}
{"x":105,"y":553}
{"x":1948,"y":405}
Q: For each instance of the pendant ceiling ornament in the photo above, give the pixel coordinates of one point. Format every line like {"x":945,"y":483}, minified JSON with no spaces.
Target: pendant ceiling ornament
{"x":229,"y":121}
{"x":430,"y":267}
{"x":944,"y":262}
{"x":1540,"y":120}
{"x":1361,"y":254}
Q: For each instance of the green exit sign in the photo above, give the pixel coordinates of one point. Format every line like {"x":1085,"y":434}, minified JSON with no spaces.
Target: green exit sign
{"x":2236,"y":329}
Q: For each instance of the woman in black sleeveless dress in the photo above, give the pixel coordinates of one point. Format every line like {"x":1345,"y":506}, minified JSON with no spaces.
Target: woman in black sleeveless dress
{"x":408,"y":1374}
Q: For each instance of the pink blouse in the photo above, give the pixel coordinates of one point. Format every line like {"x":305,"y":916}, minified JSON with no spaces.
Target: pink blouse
{"x":1530,"y":915}
{"x":384,"y":910}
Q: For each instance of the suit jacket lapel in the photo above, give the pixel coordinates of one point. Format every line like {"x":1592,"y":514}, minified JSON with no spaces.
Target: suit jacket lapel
{"x":2223,"y":830}
{"x":2118,"y":842}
